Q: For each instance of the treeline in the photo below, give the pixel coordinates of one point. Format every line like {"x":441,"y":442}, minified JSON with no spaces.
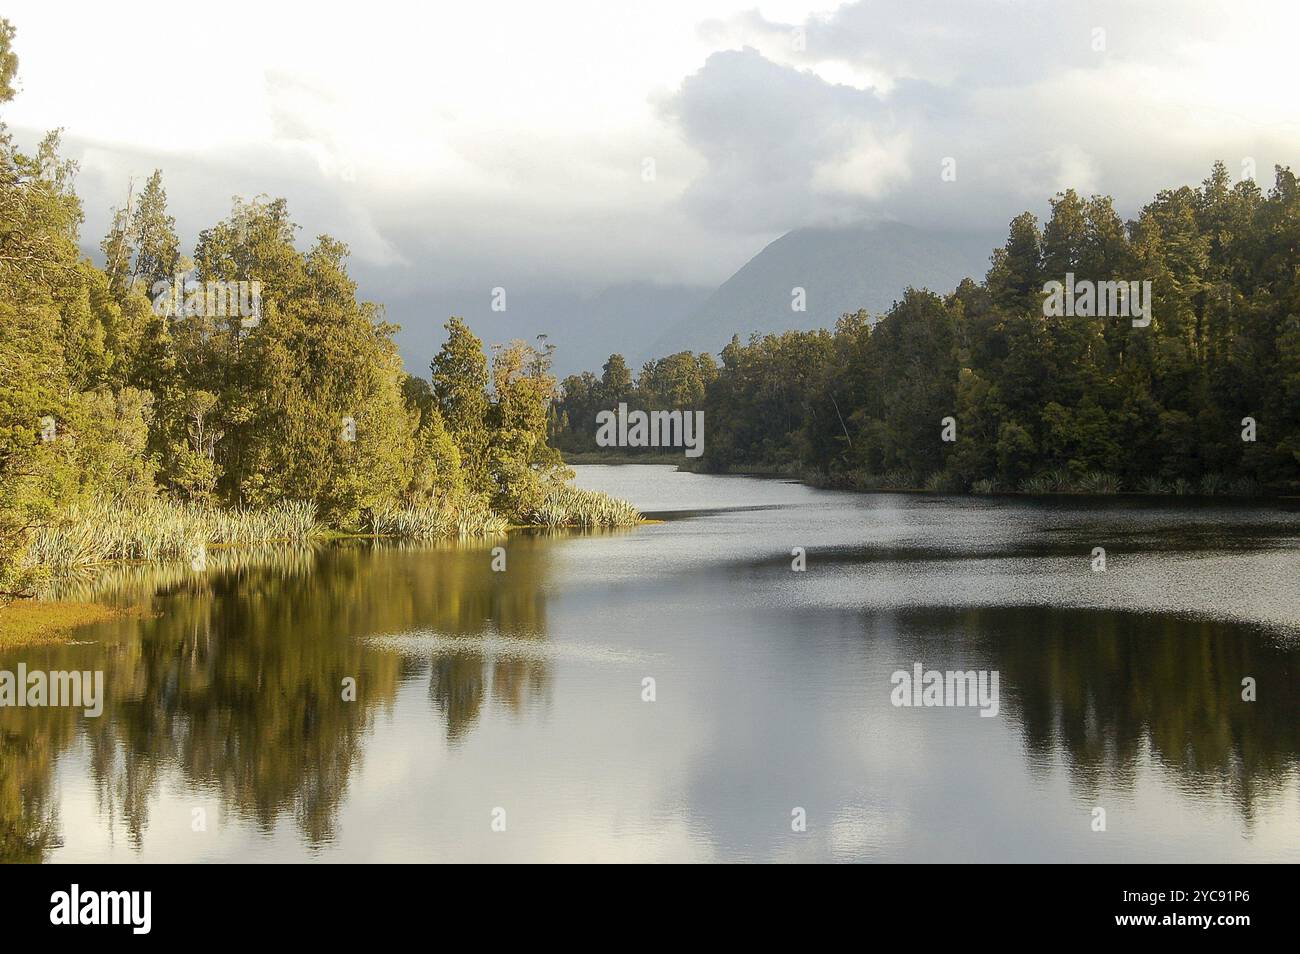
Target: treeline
{"x":110,"y":392}
{"x":1036,"y":402}
{"x":677,"y":381}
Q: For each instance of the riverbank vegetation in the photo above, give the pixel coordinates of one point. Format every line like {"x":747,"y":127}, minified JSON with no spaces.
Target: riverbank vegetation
{"x":36,"y":624}
{"x":1204,"y":399}
{"x":130,"y":429}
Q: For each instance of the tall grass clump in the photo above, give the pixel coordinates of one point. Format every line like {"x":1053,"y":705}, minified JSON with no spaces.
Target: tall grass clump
{"x":1213,"y":484}
{"x":1060,"y":480}
{"x":1036,"y":485}
{"x":291,"y":520}
{"x":1099,"y":483}
{"x":106,"y":532}
{"x":942,"y":482}
{"x":572,"y":507}
{"x":429,"y":522}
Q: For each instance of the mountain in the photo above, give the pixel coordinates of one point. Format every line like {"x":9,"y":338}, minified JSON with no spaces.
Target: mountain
{"x":840,"y":269}
{"x":628,"y":319}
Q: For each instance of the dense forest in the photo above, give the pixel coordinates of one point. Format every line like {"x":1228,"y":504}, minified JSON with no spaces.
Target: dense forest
{"x":142,"y":415}
{"x":984,"y":390}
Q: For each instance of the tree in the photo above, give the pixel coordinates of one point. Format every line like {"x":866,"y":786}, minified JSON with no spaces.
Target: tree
{"x":458,"y":377}
{"x":522,"y":463}
{"x":615,"y":381}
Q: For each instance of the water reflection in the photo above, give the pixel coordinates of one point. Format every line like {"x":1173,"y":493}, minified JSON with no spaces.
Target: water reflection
{"x":236,"y":678}
{"x":228,"y":687}
{"x":1103,"y":691}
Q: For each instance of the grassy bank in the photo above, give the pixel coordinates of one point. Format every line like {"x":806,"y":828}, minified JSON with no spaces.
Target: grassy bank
{"x":30,"y":623}
{"x":573,"y":507}
{"x":430,"y":523}
{"x":161,"y":530}
{"x":88,"y":537}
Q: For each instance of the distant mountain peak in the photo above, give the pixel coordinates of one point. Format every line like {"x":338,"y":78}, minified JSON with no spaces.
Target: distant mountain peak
{"x":840,"y":269}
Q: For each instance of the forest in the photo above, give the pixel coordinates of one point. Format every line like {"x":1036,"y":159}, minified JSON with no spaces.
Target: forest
{"x":131,"y":428}
{"x":989,"y":388}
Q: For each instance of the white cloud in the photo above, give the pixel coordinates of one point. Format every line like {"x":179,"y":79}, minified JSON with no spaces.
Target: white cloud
{"x":453,"y":144}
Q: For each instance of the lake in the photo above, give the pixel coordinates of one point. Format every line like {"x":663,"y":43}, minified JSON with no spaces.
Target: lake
{"x":506,"y":715}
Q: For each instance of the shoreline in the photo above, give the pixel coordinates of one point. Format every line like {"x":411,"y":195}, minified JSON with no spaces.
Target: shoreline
{"x":28,"y":623}
{"x":35,"y":619}
{"x":773,"y":472}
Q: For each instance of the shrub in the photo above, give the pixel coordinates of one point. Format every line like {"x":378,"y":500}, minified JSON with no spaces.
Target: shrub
{"x":1036,"y":485}
{"x":1098,"y":483}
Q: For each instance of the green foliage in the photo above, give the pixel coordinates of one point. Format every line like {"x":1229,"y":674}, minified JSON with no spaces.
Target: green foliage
{"x":565,"y":506}
{"x":428,"y":522}
{"x":522,"y":463}
{"x":1040,"y":402}
{"x":130,"y":432}
{"x":160,"y":529}
{"x":678,"y":381}
{"x":436,"y":474}
{"x":459,"y":380}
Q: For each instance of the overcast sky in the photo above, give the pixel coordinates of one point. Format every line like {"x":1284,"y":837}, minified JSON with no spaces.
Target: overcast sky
{"x":454,"y":144}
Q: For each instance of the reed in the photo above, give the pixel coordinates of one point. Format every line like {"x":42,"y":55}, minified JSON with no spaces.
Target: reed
{"x":161,"y":529}
{"x":1098,"y":483}
{"x":942,"y":482}
{"x":412,"y":522}
{"x":1060,"y":480}
{"x":1036,"y":485}
{"x":1213,"y":484}
{"x":572,"y":507}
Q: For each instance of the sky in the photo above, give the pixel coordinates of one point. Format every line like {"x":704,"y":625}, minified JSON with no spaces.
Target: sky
{"x":576,"y":145}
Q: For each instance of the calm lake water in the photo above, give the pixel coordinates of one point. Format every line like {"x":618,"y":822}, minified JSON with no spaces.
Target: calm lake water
{"x":517,"y":696}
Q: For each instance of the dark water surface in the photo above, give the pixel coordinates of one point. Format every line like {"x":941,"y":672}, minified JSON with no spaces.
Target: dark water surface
{"x":518,"y":695}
